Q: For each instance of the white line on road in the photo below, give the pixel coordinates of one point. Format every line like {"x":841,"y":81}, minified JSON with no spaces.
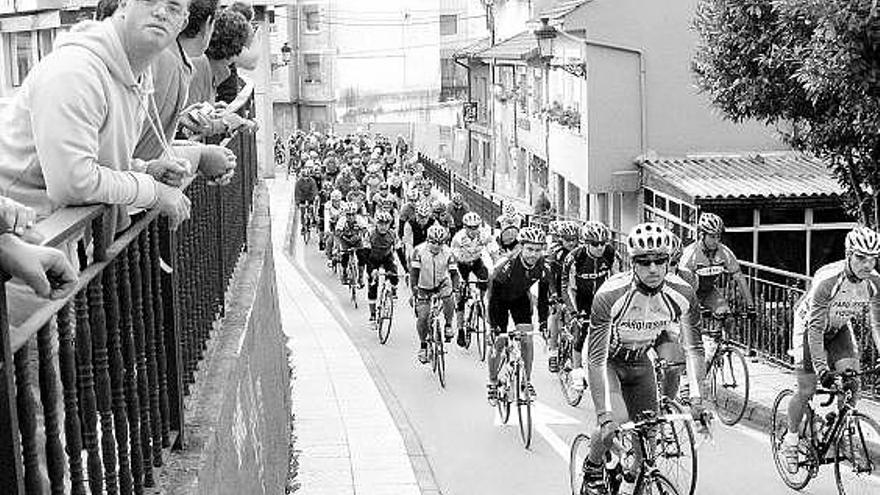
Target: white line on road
{"x":542,"y":417}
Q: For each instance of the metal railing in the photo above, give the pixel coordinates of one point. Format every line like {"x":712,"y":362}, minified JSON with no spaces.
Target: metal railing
{"x":92,"y":385}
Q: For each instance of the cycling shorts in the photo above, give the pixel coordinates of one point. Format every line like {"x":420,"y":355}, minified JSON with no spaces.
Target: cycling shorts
{"x":841,"y":345}
{"x":634,"y":382}
{"x":520,"y":309}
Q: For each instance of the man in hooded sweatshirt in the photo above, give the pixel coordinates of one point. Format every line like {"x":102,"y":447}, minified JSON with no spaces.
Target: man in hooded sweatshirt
{"x":68,"y":135}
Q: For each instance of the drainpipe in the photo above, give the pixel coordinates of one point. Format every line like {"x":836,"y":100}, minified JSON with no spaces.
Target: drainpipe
{"x":643,"y":98}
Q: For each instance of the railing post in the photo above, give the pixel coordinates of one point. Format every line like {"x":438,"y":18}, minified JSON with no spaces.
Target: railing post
{"x":11,"y":468}
{"x":171,"y":319}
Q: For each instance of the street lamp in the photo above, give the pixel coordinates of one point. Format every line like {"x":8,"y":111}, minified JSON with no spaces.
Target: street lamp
{"x":546,"y":34}
{"x":285,"y":53}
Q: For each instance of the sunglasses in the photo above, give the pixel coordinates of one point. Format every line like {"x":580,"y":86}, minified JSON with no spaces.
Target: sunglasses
{"x":646,"y":262}
{"x":597,"y":243}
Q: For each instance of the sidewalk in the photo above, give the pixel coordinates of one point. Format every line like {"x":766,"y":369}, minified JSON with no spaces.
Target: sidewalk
{"x":346,"y":441}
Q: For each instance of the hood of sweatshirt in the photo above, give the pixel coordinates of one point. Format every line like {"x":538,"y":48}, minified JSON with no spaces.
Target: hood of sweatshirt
{"x":101,"y":38}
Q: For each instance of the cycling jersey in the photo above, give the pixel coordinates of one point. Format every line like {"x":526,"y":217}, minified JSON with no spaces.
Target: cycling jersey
{"x":433,"y":269}
{"x":834,"y":298}
{"x":351,"y":234}
{"x":707,"y":266}
{"x":585,"y":274}
{"x":555,"y":262}
{"x":626,"y":320}
{"x":331,"y":215}
{"x":305,"y":190}
{"x":468,"y":249}
{"x":510,"y":282}
{"x":419,"y":232}
{"x":380,"y":246}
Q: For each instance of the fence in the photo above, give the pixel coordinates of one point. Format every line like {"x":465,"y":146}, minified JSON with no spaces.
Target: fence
{"x":775,"y":292}
{"x":119,"y":353}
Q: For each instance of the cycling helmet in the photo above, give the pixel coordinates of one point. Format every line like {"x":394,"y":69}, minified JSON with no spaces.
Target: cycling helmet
{"x":531,"y":235}
{"x":568,"y":230}
{"x":438,"y":207}
{"x":509,"y":210}
{"x":412,"y":194}
{"x":594,"y":231}
{"x":426,"y":183}
{"x":383,"y":186}
{"x":388,"y":200}
{"x":437,"y":233}
{"x":553,"y":227}
{"x":313,"y":154}
{"x":648,"y":238}
{"x":471,"y":219}
{"x":384,"y":217}
{"x":350,"y":208}
{"x":336,"y":195}
{"x":863,"y":240}
{"x":710,"y":223}
{"x":423,"y":209}
{"x":457,"y":198}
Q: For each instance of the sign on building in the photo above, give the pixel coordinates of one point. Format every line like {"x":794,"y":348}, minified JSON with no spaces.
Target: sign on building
{"x":470,"y":111}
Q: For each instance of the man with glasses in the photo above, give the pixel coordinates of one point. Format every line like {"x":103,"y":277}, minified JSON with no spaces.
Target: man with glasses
{"x":630,"y":311}
{"x":586,"y":269}
{"x":470,"y":247}
{"x":823,"y":340}
{"x":565,"y":239}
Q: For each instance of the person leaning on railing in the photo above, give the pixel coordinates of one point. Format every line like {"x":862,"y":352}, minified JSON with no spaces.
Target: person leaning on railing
{"x":43,"y":269}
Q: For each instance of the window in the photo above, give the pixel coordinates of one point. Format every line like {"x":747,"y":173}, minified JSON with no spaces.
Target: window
{"x":311,"y":16}
{"x":482,"y":88}
{"x":22,"y":55}
{"x":448,"y":24}
{"x":537,"y":91}
{"x":313,"y":68}
{"x":574,"y":201}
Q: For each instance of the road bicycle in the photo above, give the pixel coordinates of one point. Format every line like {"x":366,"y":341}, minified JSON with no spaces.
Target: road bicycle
{"x":350,"y":275}
{"x":727,"y":370}
{"x":572,"y":392}
{"x":513,"y":385}
{"x":436,"y":339}
{"x":677,"y":453}
{"x":308,"y":219}
{"x":631,"y":461}
{"x":844,"y":436}
{"x":384,"y":305}
{"x":475,"y":318}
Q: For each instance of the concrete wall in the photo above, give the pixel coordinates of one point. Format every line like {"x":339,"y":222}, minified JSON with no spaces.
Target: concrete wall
{"x":237,"y":416}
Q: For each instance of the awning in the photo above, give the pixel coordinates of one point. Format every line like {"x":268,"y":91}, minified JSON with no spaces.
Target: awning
{"x":559,"y":10}
{"x":523,"y":46}
{"x":473,"y":49}
{"x":755,"y":176}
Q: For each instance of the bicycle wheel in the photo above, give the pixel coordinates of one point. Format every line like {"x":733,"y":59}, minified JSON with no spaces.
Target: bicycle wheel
{"x":572,"y":394}
{"x":482,"y":337}
{"x":676,"y":454}
{"x":386,"y":313}
{"x":729,"y":389}
{"x":857,"y":457}
{"x":440,"y":355}
{"x":503,"y":402}
{"x":580,"y":447}
{"x":778,"y":429}
{"x":657,"y":484}
{"x":523,"y":405}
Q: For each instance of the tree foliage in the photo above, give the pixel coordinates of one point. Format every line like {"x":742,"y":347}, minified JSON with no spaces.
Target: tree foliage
{"x":809,"y":67}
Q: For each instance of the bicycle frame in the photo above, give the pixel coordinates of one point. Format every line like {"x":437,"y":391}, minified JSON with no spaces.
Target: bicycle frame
{"x":845,"y":409}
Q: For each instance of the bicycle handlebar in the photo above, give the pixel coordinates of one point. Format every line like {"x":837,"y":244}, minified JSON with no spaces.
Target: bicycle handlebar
{"x":837,"y":390}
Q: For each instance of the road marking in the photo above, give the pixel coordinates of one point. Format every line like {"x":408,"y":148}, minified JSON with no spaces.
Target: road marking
{"x":542,"y":417}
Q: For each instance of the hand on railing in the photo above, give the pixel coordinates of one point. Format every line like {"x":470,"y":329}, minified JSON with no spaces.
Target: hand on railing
{"x":46,"y":270}
{"x":173,"y":203}
{"x":17,"y":216}
{"x":170,"y":171}
{"x":218,"y":164}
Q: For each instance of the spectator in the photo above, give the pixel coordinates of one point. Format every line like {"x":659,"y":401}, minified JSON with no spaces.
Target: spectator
{"x":45,"y":270}
{"x":234,"y":85}
{"x":69,"y":132}
{"x":231,"y":31}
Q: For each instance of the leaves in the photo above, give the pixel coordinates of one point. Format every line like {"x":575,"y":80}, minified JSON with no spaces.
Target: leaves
{"x":811,"y":67}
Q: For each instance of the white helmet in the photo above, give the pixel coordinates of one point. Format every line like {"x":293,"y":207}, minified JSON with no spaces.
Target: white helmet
{"x":471,"y":219}
{"x":710,"y":223}
{"x":336,"y":195}
{"x":437,"y":233}
{"x":532,"y":235}
{"x":648,"y":238}
{"x":863,"y":240}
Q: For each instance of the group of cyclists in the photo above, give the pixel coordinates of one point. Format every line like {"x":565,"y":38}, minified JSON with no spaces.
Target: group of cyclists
{"x":372,"y":200}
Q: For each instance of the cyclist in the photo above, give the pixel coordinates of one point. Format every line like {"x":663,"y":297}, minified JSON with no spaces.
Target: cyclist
{"x":382,"y":195}
{"x":350,"y":232}
{"x":415,"y":231}
{"x":379,"y":248}
{"x":824,"y":344}
{"x":565,"y":239}
{"x":670,"y":349}
{"x":630,"y":311}
{"x":707,"y":259}
{"x":438,"y":213}
{"x":433,"y":270}
{"x":507,"y":225}
{"x":586,"y":269}
{"x":470,"y":247}
{"x":508,"y":293}
{"x":332,"y":213}
{"x":456,"y":210}
{"x":305,"y":192}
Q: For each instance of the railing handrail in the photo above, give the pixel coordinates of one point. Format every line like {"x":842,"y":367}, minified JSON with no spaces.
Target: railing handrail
{"x":776,"y":271}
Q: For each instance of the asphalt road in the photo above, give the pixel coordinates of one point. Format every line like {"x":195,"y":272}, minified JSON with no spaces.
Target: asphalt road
{"x":470,"y":452}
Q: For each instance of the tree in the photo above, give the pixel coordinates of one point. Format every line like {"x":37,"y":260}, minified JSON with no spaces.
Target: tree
{"x":809,"y":67}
